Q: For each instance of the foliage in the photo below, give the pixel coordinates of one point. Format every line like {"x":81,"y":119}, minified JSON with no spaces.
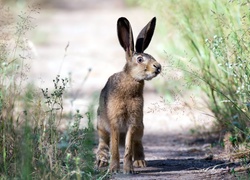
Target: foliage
{"x":211,"y":43}
{"x":32,"y":146}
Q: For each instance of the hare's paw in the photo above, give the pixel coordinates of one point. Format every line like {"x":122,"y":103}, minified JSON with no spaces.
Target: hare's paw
{"x":114,"y":167}
{"x":128,"y":166}
{"x":101,"y":163}
{"x":140,"y":163}
{"x":128,"y":169}
{"x":102,"y":159}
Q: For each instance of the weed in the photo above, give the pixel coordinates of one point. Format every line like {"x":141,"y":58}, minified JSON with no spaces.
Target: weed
{"x":32,"y":144}
{"x":211,"y":40}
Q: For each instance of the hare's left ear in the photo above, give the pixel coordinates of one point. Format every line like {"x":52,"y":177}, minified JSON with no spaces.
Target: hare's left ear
{"x":145,"y":36}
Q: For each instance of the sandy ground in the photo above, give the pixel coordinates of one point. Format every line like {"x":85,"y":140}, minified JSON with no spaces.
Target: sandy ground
{"x":90,"y":30}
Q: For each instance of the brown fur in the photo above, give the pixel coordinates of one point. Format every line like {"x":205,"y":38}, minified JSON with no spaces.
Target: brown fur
{"x":121,"y":112}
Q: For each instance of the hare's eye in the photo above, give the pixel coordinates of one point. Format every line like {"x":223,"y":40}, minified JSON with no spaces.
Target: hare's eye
{"x":139,"y":59}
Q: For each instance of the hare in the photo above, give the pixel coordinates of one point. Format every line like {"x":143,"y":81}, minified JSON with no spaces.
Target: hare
{"x":120,"y":108}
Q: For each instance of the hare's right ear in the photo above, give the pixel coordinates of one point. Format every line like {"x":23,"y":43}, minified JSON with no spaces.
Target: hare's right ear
{"x":125,"y":35}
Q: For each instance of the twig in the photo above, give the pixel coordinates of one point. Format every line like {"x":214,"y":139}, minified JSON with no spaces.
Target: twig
{"x":214,"y":167}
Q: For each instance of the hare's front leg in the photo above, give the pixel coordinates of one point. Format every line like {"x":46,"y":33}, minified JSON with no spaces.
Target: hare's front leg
{"x":133,"y":147}
{"x":102,"y":156}
{"x":138,"y":153}
{"x":127,"y":164}
{"x":115,"y":157}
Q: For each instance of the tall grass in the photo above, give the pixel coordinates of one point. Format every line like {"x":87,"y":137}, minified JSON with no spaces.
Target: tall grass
{"x":210,"y":42}
{"x":31,"y":144}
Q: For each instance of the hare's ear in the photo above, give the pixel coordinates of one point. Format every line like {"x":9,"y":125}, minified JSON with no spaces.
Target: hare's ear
{"x":125,"y":35}
{"x":145,"y":36}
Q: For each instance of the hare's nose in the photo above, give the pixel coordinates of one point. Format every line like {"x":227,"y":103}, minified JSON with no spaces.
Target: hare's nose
{"x":157,"y":68}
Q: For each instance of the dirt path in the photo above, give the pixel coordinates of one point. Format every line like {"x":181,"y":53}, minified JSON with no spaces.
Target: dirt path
{"x":90,"y":30}
{"x":178,"y":156}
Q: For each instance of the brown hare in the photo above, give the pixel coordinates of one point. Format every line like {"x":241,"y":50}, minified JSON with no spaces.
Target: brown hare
{"x":121,"y":101}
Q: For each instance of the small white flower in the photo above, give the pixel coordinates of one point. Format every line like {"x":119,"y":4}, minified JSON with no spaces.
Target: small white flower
{"x":4,"y":64}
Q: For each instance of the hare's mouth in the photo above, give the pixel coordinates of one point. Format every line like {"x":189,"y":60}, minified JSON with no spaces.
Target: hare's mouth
{"x":150,"y":76}
{"x":144,"y":75}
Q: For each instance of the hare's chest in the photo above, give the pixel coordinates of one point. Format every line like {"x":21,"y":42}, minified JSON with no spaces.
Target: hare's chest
{"x":125,"y":111}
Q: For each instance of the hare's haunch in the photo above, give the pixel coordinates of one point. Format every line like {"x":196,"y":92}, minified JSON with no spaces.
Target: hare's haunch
{"x":121,"y":101}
